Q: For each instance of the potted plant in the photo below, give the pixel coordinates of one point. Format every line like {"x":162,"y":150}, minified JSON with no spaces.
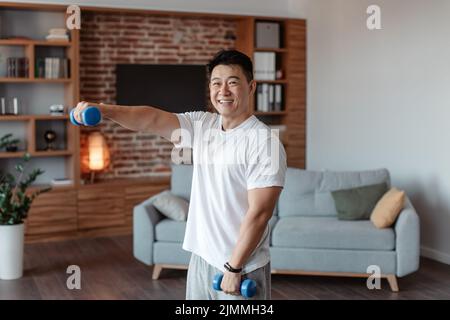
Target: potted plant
{"x":8,"y":143}
{"x":15,"y":203}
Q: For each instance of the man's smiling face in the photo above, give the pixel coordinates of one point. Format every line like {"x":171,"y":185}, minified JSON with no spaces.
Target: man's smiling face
{"x":230,"y":91}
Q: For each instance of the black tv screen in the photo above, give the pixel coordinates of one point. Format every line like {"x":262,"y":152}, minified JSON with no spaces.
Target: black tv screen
{"x":174,"y":88}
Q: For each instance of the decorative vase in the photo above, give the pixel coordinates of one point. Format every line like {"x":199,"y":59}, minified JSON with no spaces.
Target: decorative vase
{"x":11,"y":251}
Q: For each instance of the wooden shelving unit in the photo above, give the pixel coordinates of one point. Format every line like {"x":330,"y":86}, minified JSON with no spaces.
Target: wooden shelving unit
{"x":54,"y":212}
{"x":291,"y":58}
{"x":32,"y":49}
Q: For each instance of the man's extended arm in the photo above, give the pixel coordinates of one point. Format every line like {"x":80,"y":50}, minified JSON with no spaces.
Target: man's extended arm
{"x":136,"y":118}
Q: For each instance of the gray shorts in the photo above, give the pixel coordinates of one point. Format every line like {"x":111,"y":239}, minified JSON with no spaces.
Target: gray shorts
{"x":200,"y":278}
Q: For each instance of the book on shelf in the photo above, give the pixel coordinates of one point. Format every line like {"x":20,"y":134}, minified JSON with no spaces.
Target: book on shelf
{"x":57,"y":38}
{"x":61,"y":182}
{"x":264,"y":65}
{"x":269,"y":97}
{"x":58,"y":31}
{"x":278,"y":104}
{"x":52,"y":68}
{"x":17,"y":67}
{"x":57,"y":34}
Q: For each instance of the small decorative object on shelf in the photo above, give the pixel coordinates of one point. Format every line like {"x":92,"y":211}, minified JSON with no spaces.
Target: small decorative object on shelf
{"x":61,"y":182}
{"x":50,"y":137}
{"x":279,"y":74}
{"x":56,"y":110}
{"x":9,"y":143}
{"x":267,"y":34}
{"x":57,"y":34}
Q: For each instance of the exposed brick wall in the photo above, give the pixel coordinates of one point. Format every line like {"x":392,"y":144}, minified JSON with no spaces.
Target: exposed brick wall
{"x":107,"y":39}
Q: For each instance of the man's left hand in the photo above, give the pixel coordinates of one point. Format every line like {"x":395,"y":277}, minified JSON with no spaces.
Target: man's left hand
{"x":231,"y":283}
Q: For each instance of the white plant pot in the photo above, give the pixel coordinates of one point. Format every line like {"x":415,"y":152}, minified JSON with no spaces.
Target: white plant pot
{"x":11,"y":251}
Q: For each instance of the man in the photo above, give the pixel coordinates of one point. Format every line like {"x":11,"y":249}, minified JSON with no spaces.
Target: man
{"x":238,"y":174}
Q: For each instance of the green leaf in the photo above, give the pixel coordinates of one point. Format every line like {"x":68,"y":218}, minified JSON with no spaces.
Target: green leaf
{"x":19,"y":168}
{"x":14,"y":201}
{"x":6,"y":137}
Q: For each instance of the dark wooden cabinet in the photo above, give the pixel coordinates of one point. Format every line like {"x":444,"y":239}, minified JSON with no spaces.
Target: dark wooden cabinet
{"x":52,"y":213}
{"x":90,"y":210}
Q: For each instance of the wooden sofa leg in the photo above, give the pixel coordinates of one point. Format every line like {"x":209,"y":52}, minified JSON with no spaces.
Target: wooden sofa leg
{"x":157,"y":268}
{"x":392,"y":279}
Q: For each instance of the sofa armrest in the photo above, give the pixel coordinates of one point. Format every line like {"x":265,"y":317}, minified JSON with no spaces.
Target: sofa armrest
{"x":407,"y":232}
{"x":145,"y":218}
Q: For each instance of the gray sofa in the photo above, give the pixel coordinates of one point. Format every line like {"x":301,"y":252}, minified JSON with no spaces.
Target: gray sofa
{"x":306,"y":236}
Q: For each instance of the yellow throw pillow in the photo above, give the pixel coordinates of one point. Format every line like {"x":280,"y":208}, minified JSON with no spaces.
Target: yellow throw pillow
{"x":388,"y":208}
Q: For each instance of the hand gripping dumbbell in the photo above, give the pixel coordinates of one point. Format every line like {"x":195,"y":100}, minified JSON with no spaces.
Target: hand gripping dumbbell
{"x":248,"y":286}
{"x":90,"y":116}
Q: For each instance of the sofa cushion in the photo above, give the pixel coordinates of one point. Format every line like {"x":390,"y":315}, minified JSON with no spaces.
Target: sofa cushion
{"x":170,"y":205}
{"x":358,"y":203}
{"x":308,"y":193}
{"x":170,"y":230}
{"x":388,"y":208}
{"x":331,"y":233}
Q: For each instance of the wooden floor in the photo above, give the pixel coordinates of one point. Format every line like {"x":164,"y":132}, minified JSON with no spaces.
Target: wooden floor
{"x":109,"y":271}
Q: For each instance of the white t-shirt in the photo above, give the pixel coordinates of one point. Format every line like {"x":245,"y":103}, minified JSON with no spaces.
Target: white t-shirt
{"x":225,"y":165}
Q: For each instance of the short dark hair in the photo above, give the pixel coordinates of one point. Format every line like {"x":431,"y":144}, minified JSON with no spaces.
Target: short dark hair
{"x":232,"y":57}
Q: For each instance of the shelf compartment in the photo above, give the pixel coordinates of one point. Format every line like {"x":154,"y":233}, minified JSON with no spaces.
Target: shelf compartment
{"x":59,"y":145}
{"x":270,"y":99}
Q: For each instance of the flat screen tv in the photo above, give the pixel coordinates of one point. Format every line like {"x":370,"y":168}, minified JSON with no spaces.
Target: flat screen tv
{"x":174,"y":88}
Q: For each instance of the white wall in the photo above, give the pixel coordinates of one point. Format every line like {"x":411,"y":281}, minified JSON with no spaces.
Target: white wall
{"x":382,"y":99}
{"x":279,"y":8}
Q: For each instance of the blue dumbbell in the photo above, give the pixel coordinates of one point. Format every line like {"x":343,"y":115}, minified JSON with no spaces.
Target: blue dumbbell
{"x":248,"y":286}
{"x":90,"y":116}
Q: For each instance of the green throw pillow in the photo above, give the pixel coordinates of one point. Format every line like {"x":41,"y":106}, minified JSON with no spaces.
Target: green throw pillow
{"x":358,"y":203}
